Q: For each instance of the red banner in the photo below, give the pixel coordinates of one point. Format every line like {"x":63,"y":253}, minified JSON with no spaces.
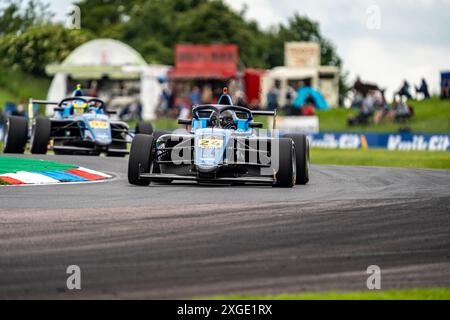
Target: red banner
{"x":205,"y":61}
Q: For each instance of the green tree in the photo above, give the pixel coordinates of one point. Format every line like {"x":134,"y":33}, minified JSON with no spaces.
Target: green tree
{"x":301,"y":28}
{"x":14,"y":19}
{"x":31,"y":50}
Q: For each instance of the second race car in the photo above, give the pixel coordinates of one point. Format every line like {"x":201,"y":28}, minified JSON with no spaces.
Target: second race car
{"x":80,"y":125}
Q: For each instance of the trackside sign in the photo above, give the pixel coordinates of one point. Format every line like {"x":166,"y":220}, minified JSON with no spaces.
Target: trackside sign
{"x":400,"y":141}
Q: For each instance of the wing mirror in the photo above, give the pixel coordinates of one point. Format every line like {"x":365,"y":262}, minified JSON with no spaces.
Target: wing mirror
{"x":184,"y":121}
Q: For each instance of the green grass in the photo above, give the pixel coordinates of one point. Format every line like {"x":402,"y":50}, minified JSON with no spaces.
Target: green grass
{"x":406,"y":294}
{"x":13,"y":164}
{"x":382,"y":158}
{"x":431,"y":116}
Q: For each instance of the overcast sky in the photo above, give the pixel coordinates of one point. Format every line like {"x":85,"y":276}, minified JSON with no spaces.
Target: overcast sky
{"x":383,"y":41}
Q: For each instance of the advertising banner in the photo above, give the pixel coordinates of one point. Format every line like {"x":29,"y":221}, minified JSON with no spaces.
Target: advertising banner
{"x":390,"y":141}
{"x":207,"y":61}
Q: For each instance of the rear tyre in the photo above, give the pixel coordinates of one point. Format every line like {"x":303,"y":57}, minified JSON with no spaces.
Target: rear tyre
{"x":301,"y":143}
{"x":286,"y":175}
{"x":40,"y":136}
{"x":16,"y":135}
{"x":140,"y":159}
{"x":144,"y":128}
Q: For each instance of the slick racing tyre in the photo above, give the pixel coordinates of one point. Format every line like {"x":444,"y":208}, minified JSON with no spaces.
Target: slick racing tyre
{"x":144,"y":128}
{"x":301,"y":143}
{"x":40,"y":136}
{"x":16,"y":135}
{"x":140,"y":159}
{"x":286,"y":175}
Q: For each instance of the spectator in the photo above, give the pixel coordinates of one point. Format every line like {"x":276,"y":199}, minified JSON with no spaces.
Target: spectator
{"x":272,"y":98}
{"x":445,"y":90}
{"x":20,"y":109}
{"x":358,"y":85}
{"x":400,"y":111}
{"x":357,"y":99}
{"x":366,"y":111}
{"x":132,"y":111}
{"x":207,"y":95}
{"x":381,"y":107}
{"x":290,"y":96}
{"x":164,"y":100}
{"x":423,"y":89}
{"x":195,"y":96}
{"x":308,"y":108}
{"x":404,"y":90}
{"x":240,"y":99}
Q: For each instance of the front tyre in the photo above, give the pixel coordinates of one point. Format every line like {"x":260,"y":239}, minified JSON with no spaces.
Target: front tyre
{"x":144,"y":128}
{"x":286,"y":175}
{"x":16,"y":135}
{"x":301,"y":143}
{"x":140,"y":159}
{"x":40,"y":136}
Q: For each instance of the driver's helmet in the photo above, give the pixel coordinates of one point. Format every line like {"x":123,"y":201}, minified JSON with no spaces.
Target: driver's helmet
{"x":227,"y":120}
{"x":78,"y":106}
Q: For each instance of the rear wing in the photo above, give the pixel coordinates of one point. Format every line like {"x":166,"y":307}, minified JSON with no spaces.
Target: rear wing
{"x":264,"y":113}
{"x":267,"y":113}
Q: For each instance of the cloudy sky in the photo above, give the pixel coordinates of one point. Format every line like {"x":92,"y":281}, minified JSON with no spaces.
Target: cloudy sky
{"x":383,"y":41}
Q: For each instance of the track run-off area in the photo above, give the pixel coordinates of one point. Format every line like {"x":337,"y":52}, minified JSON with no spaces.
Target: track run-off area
{"x":187,"y":240}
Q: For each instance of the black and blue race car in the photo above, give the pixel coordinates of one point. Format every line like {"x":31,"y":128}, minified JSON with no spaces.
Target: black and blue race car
{"x":222,"y":143}
{"x":80,"y":125}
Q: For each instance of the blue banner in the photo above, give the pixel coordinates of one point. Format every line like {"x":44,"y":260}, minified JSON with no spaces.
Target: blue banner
{"x":390,"y":141}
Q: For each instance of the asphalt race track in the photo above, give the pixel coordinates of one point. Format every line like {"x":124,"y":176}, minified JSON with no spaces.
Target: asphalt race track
{"x":185,"y":240}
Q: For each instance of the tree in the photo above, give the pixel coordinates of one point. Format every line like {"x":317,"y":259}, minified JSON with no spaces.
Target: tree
{"x":15,"y":20}
{"x":301,"y":28}
{"x":33,"y":49}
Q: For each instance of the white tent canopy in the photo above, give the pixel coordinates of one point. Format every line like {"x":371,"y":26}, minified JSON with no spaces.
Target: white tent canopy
{"x":108,"y":57}
{"x":102,"y":52}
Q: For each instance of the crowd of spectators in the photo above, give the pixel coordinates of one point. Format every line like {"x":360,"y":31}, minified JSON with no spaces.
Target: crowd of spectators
{"x":373,"y":106}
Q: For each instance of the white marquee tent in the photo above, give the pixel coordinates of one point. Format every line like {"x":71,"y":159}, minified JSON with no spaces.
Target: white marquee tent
{"x":110,"y":58}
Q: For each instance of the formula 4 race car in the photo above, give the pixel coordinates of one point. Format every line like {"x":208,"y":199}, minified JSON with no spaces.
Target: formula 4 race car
{"x":224,"y":145}
{"x":80,"y":125}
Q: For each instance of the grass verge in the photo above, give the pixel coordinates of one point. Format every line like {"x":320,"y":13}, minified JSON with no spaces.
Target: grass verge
{"x":382,"y":158}
{"x":405,"y":294}
{"x":431,"y":116}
